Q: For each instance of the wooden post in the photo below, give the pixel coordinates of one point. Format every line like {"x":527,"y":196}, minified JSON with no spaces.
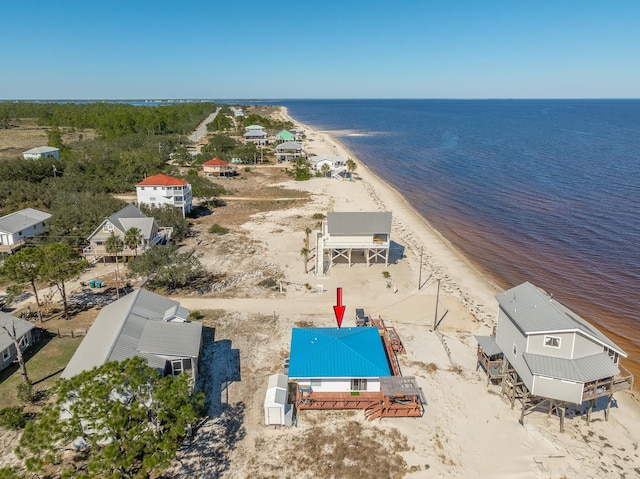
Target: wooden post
{"x":608,"y":410}
{"x":562,"y":413}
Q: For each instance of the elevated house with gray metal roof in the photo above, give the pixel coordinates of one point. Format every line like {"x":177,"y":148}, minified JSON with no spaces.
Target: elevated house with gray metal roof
{"x":118,"y":224}
{"x":143,"y":324}
{"x":351,"y":237}
{"x":547,"y":353}
{"x":18,"y":227}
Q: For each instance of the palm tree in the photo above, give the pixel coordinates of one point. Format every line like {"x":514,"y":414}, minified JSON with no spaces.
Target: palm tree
{"x":132,"y":238}
{"x":305,"y":254}
{"x":351,"y":166}
{"x":115,"y":245}
{"x":325,"y":169}
{"x":307,"y":232}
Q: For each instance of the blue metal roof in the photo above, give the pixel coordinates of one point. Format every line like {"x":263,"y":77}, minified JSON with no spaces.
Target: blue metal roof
{"x":337,"y":353}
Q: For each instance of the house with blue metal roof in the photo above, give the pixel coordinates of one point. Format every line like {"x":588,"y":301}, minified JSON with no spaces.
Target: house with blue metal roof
{"x":338,"y":359}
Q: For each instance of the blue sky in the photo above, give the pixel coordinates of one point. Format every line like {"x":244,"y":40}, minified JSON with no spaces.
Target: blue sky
{"x":126,"y":49}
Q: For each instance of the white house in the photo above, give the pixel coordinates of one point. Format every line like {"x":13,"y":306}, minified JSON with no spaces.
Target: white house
{"x":142,"y":324}
{"x":161,"y":190}
{"x":42,"y":152}
{"x":16,"y":228}
{"x":337,"y":360}
{"x":25,"y":333}
{"x":334,"y":163}
{"x":353,"y":236}
{"x":118,"y":224}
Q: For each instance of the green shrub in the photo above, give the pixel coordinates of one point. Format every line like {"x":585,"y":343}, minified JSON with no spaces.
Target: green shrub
{"x":318,"y":216}
{"x":13,"y":417}
{"x":217,"y":229}
{"x":195,"y":316}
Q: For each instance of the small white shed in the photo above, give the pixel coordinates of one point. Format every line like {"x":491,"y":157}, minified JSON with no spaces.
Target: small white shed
{"x":276,"y":409}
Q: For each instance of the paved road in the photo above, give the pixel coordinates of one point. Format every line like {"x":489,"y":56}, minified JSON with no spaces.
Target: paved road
{"x":202,"y":128}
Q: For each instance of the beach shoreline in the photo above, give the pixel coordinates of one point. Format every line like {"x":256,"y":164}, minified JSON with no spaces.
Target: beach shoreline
{"x":468,"y":429}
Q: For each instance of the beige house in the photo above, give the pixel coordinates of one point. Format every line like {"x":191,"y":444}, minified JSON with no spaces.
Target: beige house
{"x":118,"y":224}
{"x":218,"y":167}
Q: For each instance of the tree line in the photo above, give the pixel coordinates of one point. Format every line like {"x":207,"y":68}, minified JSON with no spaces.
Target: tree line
{"x":110,"y":119}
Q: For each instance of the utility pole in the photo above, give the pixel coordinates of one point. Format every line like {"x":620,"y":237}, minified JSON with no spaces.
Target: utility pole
{"x":435,"y":319}
{"x":420,"y":274}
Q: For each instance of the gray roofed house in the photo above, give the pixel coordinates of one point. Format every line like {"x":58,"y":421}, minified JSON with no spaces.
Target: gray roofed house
{"x":354,"y":236}
{"x":143,"y":324}
{"x":255,"y":134}
{"x":550,"y":351}
{"x":25,"y":333}
{"x":118,"y":224}
{"x":17,"y":227}
{"x":289,"y":150}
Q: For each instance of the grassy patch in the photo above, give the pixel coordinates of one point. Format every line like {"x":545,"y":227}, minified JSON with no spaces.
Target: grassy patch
{"x":45,"y":363}
{"x":218,"y":230}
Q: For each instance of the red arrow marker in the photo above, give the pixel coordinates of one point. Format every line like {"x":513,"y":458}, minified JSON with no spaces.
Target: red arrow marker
{"x":339,"y":308}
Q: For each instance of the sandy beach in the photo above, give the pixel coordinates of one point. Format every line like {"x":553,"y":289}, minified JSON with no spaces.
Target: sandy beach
{"x":468,"y":429}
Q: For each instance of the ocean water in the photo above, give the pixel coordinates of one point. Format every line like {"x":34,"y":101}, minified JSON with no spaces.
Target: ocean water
{"x":546,"y":191}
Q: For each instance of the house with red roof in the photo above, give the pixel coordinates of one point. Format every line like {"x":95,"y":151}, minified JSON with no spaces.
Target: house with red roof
{"x":160,"y":190}
{"x":218,"y":167}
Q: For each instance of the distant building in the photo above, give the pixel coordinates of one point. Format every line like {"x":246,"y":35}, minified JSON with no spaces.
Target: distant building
{"x":161,"y":190}
{"x":16,"y":228}
{"x":42,"y":152}
{"x":289,"y":150}
{"x":255,"y":134}
{"x":142,"y":324}
{"x":218,"y":167}
{"x":335,"y":163}
{"x":284,"y":135}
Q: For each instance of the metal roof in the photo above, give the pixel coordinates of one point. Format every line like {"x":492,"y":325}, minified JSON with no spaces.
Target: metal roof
{"x":117,"y":331}
{"x":19,"y":220}
{"x":488,"y":345}
{"x":359,"y":223}
{"x":8,"y":321}
{"x":337,"y":353}
{"x":40,"y":149}
{"x":534,"y":311}
{"x":173,"y":338}
{"x":128,"y":217}
{"x":582,"y":370}
{"x":289,"y":146}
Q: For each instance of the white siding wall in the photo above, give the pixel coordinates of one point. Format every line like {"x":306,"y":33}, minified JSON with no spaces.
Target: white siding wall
{"x":334,"y":385}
